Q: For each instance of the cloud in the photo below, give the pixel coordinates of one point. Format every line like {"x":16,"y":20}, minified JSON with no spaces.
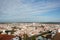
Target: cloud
{"x":26,"y":9}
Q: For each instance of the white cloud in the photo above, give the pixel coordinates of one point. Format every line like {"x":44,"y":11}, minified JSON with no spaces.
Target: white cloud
{"x":17,"y":9}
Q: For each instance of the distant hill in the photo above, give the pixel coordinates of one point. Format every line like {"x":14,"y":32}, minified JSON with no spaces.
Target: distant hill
{"x":32,"y":22}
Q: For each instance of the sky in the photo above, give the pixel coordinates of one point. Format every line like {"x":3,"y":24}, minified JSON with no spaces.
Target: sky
{"x":29,"y":10}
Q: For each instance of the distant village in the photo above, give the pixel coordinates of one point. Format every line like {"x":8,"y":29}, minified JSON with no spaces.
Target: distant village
{"x":30,"y":29}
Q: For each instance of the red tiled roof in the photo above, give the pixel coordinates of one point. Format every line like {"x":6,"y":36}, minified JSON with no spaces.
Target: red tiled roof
{"x":6,"y":37}
{"x":56,"y":37}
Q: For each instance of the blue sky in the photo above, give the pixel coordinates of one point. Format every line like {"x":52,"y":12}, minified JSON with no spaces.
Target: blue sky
{"x":29,"y":10}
